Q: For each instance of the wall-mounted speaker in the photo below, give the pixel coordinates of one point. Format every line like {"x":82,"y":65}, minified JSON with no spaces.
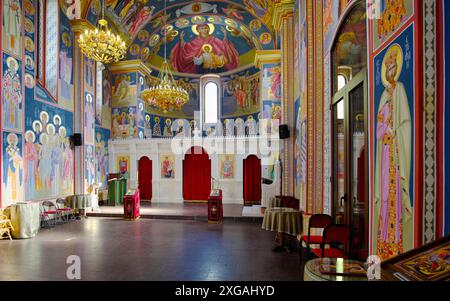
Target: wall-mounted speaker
{"x":284,"y":131}
{"x":77,"y":139}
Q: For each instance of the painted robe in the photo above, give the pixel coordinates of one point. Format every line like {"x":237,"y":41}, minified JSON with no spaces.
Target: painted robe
{"x":393,"y":210}
{"x":184,"y":53}
{"x":12,"y":175}
{"x":11,"y":100}
{"x":31,"y":160}
{"x":12,"y":22}
{"x":65,"y":71}
{"x":167,"y":169}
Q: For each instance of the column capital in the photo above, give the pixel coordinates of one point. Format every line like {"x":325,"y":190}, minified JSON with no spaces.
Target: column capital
{"x":130,"y":66}
{"x":282,"y":10}
{"x":267,"y":57}
{"x":80,"y":25}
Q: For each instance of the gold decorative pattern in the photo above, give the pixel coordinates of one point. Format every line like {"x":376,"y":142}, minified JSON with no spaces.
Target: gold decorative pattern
{"x":319,"y":106}
{"x":310,"y":110}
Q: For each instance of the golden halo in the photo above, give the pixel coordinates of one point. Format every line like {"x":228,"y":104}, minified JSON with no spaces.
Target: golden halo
{"x":12,"y":139}
{"x":250,"y":117}
{"x":51,"y":129}
{"x":394,"y":47}
{"x":212,"y":28}
{"x":33,"y":136}
{"x":207,"y":45}
{"x":62,"y":132}
{"x":147,"y":117}
{"x":134,"y":49}
{"x":231,"y":23}
{"x":41,"y":138}
{"x":41,"y":116}
{"x":36,"y":123}
{"x":66,"y":39}
{"x":168,"y":121}
{"x":57,"y":118}
{"x":157,"y":119}
{"x":29,"y":81}
{"x":9,"y":60}
{"x":198,"y":20}
{"x":154,"y":40}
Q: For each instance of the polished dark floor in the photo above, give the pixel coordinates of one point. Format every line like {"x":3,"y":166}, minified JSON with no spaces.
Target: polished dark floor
{"x":115,"y":249}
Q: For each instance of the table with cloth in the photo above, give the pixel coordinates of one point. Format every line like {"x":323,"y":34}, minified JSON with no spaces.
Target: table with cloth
{"x":284,"y":221}
{"x":79,"y":202}
{"x":24,"y":218}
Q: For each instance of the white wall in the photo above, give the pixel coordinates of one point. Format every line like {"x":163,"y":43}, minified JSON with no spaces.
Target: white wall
{"x":171,"y":190}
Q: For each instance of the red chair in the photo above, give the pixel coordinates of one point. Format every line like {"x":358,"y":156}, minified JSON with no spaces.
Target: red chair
{"x":335,"y":236}
{"x":316,"y":221}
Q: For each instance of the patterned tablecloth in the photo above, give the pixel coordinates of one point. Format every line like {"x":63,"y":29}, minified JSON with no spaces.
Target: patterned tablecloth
{"x":312,"y":270}
{"x":24,"y":219}
{"x":284,"y":220}
{"x":275,"y":202}
{"x":81,"y":201}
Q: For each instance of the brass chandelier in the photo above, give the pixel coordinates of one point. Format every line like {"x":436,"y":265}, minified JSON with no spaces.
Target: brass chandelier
{"x":101,"y":45}
{"x":166,"y":94}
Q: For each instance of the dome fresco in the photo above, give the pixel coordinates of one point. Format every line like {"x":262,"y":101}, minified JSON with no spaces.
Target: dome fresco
{"x":202,"y":37}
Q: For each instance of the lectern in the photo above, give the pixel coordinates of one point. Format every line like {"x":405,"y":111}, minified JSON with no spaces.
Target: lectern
{"x":215,"y":207}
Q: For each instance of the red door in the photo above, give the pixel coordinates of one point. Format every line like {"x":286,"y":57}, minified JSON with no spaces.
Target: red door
{"x":196,"y":175}
{"x":252,"y":181}
{"x":145,"y":178}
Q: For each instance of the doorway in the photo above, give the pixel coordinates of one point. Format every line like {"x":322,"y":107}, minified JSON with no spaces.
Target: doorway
{"x":145,"y":178}
{"x":252,"y":181}
{"x":196,"y":175}
{"x":349,"y":111}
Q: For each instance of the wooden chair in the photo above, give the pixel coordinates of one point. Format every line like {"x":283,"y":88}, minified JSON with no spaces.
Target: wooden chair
{"x":5,"y":226}
{"x":316,"y":221}
{"x":335,"y":236}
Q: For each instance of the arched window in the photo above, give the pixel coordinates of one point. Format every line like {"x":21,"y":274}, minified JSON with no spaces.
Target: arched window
{"x":47,"y":63}
{"x":210,"y":99}
{"x":211,"y":103}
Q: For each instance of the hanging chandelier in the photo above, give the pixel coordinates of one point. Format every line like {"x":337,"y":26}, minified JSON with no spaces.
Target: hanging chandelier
{"x":101,"y":45}
{"x":166,"y":94}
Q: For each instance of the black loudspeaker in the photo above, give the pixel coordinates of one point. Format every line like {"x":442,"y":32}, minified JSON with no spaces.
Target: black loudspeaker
{"x":77,"y":140}
{"x":284,"y":131}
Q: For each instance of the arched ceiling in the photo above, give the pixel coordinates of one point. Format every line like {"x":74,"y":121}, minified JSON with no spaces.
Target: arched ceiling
{"x":146,"y":26}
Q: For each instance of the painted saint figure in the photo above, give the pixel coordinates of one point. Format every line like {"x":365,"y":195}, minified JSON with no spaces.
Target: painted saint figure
{"x":186,"y":57}
{"x":30,"y":151}
{"x":12,"y":170}
{"x":393,"y":162}
{"x":227,"y":168}
{"x":12,"y":26}
{"x":167,"y":168}
{"x":11,"y":95}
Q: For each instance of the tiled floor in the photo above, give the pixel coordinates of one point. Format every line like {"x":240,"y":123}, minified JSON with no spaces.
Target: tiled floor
{"x":114,"y":249}
{"x":155,"y":210}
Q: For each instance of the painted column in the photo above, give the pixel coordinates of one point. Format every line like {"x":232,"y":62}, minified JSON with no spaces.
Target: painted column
{"x":283,"y":22}
{"x":269,"y":62}
{"x":78,"y":27}
{"x":127,"y":82}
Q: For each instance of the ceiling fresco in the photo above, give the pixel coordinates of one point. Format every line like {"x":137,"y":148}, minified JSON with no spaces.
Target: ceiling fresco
{"x":202,"y":36}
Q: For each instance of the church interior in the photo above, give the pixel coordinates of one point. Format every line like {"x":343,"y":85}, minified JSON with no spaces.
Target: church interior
{"x":253,"y":140}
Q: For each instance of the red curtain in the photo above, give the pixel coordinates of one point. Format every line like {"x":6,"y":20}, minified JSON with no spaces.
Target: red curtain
{"x":196,"y":176}
{"x":252,"y":181}
{"x":145,"y":178}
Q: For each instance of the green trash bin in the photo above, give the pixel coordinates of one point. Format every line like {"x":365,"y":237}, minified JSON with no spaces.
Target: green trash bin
{"x":123,"y":189}
{"x":114,"y":192}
